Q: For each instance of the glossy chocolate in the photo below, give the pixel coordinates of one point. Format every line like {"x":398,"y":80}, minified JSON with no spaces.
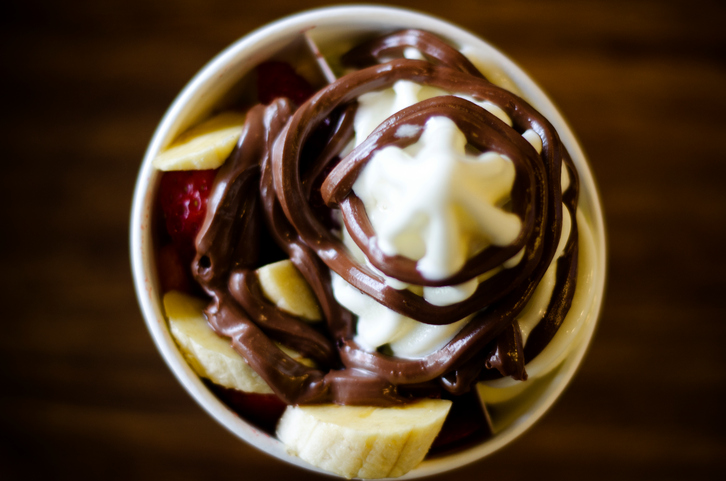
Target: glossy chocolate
{"x":280,"y":184}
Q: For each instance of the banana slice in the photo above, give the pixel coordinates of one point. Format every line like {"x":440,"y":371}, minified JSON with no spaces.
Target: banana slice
{"x":210,"y":355}
{"x":205,"y":146}
{"x":493,"y":395}
{"x":284,"y":286}
{"x":363,"y":442}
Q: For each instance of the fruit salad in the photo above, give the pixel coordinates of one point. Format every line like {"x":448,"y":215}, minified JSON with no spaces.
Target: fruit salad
{"x":371,"y":266}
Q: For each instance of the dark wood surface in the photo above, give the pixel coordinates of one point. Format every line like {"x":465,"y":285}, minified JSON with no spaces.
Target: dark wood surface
{"x":85,"y":395}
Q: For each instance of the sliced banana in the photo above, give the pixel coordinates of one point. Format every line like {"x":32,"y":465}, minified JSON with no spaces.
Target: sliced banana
{"x":363,"y":442}
{"x":204,"y":146}
{"x":210,"y":355}
{"x":285,"y":287}
{"x":495,"y":395}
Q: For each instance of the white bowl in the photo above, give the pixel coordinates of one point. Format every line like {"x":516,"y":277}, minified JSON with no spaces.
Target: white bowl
{"x":337,"y":28}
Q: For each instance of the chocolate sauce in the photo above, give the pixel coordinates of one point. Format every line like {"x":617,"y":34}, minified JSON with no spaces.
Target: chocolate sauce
{"x":278,"y":184}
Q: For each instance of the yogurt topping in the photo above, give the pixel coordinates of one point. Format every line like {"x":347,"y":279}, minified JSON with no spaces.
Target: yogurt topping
{"x":433,"y":203}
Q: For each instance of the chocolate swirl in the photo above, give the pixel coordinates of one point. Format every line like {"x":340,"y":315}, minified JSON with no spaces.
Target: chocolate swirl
{"x":281,"y":183}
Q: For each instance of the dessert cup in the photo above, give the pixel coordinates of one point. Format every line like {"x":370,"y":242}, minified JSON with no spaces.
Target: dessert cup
{"x":228,"y":78}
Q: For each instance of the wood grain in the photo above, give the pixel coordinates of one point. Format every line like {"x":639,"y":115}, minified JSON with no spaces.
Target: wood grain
{"x":84,"y":393}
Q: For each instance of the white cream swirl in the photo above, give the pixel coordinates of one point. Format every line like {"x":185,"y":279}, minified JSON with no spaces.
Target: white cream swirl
{"x":437,"y":203}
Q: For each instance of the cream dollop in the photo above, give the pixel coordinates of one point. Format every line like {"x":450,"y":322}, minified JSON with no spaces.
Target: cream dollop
{"x":435,"y":202}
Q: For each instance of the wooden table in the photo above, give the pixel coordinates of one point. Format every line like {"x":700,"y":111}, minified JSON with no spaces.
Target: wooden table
{"x":84,"y":393}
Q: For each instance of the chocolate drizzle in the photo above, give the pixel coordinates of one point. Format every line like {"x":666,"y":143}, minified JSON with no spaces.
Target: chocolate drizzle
{"x":281,"y":184}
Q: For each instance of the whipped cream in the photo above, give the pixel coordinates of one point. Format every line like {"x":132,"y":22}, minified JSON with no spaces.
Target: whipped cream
{"x":434,"y":202}
{"x":437,"y":203}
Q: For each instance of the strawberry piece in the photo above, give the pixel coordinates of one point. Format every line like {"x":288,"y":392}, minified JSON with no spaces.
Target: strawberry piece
{"x":278,"y":79}
{"x":173,"y":275}
{"x":466,"y":423}
{"x":183,"y":196}
{"x":262,"y":410}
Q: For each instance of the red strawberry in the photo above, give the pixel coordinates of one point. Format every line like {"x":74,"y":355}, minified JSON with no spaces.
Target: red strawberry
{"x":263,"y":410}
{"x":278,"y":79}
{"x":173,"y":275}
{"x":467,"y":422}
{"x":183,"y":196}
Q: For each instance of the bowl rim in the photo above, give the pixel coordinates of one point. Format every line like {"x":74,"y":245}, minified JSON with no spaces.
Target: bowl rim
{"x":141,"y":243}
